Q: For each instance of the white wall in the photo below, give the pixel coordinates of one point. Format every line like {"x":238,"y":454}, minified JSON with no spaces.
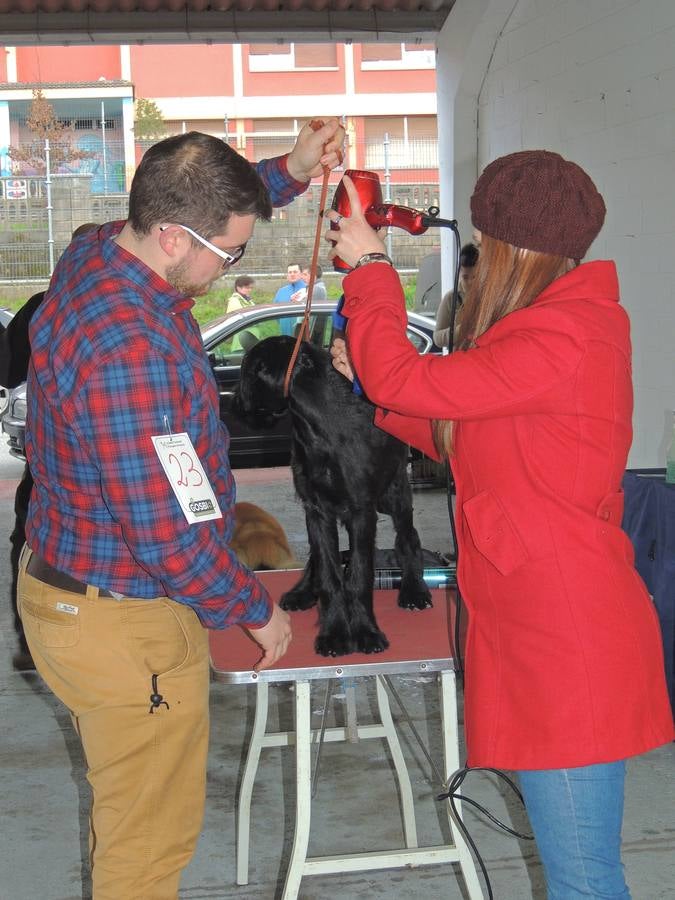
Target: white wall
{"x":593,"y":80}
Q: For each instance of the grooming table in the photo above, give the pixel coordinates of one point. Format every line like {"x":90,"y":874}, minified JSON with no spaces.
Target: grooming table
{"x":420,"y":643}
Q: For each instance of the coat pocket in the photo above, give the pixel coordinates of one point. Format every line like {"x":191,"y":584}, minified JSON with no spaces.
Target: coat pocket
{"x":610,"y":508}
{"x":493,"y":533}
{"x":608,"y":529}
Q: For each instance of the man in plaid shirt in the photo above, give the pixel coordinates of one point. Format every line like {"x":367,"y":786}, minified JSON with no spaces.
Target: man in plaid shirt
{"x":127,"y":558}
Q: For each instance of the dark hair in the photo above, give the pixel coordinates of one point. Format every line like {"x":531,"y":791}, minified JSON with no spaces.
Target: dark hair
{"x":195,"y":179}
{"x":243,"y":281}
{"x":468,"y":256}
{"x":84,"y":229}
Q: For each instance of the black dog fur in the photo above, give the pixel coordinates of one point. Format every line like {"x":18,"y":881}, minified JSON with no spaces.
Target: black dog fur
{"x":344,"y":470}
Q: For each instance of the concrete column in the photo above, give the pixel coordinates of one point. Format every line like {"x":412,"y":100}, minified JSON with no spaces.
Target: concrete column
{"x":129,"y":144}
{"x":464,"y":48}
{"x":5,"y":138}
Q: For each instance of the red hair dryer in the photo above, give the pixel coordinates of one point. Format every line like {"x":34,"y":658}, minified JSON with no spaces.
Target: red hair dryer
{"x":379,"y":214}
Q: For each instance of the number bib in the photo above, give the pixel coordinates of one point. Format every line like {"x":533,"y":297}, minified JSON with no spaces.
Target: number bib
{"x":187,"y":477}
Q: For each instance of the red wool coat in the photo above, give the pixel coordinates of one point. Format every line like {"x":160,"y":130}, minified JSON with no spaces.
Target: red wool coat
{"x":564,"y":662}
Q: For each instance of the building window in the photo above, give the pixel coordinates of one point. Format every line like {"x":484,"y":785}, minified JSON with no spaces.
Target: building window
{"x":398,"y":56}
{"x":81,"y":124}
{"x":291,"y":57}
{"x":401,"y":142}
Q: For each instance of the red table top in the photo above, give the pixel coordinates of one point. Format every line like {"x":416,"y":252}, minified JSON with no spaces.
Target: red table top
{"x":414,"y":636}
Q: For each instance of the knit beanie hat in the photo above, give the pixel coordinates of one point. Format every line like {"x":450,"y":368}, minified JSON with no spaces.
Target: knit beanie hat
{"x":538,"y":201}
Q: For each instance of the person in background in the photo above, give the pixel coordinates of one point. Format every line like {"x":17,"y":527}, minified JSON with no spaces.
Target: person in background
{"x":319,"y":292}
{"x":243,"y":288}
{"x":14,"y":359}
{"x":294,"y":282}
{"x":468,"y":257}
{"x":564,"y":661}
{"x":295,"y":290}
{"x":127,"y":560}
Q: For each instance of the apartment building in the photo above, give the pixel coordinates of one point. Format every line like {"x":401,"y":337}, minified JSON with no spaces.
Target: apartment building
{"x":256,"y":96}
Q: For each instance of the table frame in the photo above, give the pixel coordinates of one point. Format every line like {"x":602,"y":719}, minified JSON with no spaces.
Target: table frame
{"x":302,"y":738}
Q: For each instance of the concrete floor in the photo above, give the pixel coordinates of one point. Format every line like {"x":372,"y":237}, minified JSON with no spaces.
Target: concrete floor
{"x":44,"y":797}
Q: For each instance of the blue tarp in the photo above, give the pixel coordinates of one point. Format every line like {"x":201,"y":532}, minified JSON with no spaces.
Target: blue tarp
{"x":649,"y":521}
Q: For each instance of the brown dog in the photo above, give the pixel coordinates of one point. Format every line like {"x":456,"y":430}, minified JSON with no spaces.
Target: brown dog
{"x":259,"y":540}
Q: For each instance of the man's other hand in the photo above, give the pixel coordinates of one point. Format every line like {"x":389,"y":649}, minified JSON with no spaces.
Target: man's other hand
{"x":274,"y":638}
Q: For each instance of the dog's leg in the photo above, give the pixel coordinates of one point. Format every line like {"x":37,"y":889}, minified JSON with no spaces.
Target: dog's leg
{"x":302,"y":595}
{"x":322,"y":582}
{"x":359,"y":578}
{"x":397,"y":502}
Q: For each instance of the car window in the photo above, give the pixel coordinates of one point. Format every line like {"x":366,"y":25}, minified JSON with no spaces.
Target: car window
{"x":230,"y":351}
{"x":419,"y":341}
{"x":324,"y":331}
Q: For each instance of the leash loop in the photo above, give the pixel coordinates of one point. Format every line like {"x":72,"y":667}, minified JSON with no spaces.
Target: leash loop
{"x":303,"y":331}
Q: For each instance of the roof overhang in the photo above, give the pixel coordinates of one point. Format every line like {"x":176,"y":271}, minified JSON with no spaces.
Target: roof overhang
{"x":27,"y":22}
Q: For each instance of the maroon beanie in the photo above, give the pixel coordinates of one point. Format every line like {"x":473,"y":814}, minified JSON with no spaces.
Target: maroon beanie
{"x":538,"y":201}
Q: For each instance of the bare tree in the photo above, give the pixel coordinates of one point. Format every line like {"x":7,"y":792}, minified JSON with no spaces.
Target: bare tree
{"x":44,"y":125}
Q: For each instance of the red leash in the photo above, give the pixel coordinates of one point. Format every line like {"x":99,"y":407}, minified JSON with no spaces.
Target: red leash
{"x":303,"y":332}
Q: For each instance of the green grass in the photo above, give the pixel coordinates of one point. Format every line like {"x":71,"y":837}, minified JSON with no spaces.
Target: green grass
{"x":211,"y":305}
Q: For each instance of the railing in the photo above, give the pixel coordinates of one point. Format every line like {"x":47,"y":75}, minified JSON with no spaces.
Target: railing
{"x":408,"y":171}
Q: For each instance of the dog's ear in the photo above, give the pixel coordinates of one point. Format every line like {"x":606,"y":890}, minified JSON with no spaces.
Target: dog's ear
{"x":259,"y":398}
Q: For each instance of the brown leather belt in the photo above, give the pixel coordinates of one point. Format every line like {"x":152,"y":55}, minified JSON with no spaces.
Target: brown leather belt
{"x":42,"y":571}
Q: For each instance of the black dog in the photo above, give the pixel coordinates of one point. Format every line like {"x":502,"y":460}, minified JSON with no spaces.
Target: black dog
{"x":344,"y":470}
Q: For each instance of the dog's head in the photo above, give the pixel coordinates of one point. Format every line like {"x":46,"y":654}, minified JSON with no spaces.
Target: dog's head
{"x":259,"y":397}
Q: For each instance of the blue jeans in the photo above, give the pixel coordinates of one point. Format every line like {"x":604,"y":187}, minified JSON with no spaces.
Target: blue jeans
{"x":576,"y":817}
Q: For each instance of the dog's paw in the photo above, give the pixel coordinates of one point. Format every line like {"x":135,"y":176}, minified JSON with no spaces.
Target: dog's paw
{"x":369,"y":640}
{"x":336,"y":643}
{"x":296,"y":600}
{"x":414,"y":596}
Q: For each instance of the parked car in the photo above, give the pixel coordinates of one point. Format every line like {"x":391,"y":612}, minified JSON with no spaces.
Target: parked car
{"x":14,"y":421}
{"x":6,"y":316}
{"x":226,"y":340}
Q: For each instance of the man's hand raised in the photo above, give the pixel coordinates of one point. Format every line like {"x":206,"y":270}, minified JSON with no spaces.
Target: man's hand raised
{"x":315,"y":149}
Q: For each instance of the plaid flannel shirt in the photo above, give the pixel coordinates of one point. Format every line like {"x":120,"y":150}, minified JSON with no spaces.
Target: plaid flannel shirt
{"x":116,"y":358}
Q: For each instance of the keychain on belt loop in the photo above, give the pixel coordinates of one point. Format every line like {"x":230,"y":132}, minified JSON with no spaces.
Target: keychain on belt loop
{"x":303,"y":332}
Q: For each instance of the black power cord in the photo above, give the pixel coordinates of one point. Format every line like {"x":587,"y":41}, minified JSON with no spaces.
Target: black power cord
{"x":457,"y":778}
{"x":452,"y":795}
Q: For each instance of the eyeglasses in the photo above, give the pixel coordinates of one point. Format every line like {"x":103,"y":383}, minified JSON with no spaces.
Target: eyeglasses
{"x":230,"y":259}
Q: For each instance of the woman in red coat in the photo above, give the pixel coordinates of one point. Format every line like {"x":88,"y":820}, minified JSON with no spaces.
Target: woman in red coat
{"x":564,"y":662}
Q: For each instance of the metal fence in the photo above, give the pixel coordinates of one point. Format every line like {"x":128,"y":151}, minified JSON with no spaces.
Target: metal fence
{"x":39,"y":211}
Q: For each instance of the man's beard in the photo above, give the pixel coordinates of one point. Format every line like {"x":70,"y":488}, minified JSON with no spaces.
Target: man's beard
{"x":179,"y":280}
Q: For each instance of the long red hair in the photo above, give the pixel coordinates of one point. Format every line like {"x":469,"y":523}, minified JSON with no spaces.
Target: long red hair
{"x":506,"y":278}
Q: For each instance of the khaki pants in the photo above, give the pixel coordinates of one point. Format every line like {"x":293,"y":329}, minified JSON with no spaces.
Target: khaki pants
{"x":147,"y":770}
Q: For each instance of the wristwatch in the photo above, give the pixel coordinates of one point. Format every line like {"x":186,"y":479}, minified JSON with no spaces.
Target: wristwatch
{"x":372,"y":258}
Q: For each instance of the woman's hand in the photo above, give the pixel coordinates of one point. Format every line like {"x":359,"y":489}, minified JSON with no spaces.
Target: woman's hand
{"x":353,"y":236}
{"x":341,"y":362}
